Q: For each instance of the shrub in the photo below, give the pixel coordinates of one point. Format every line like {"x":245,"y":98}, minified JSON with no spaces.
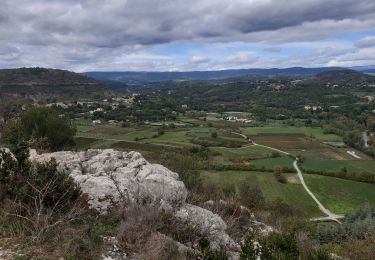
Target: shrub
{"x":214,"y":134}
{"x":42,"y":128}
{"x":356,"y":225}
{"x":278,"y":246}
{"x":36,"y":198}
{"x":278,"y":173}
{"x":250,"y":248}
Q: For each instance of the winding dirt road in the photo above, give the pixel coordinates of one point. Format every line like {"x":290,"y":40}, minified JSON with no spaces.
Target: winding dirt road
{"x":329,"y":215}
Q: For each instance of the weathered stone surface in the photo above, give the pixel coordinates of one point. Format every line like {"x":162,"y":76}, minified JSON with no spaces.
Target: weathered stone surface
{"x":108,"y":177}
{"x":209,"y":224}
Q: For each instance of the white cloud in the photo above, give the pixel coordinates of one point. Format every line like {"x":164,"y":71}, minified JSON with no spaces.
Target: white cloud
{"x":199,"y":59}
{"x":242,"y":58}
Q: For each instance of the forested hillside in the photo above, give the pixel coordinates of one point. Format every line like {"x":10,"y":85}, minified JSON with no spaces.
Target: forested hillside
{"x":41,"y":83}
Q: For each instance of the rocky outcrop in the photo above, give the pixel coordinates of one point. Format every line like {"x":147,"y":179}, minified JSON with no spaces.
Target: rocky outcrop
{"x":108,"y":177}
{"x":211,"y":225}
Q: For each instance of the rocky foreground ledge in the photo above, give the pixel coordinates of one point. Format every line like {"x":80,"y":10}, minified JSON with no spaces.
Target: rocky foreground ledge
{"x":108,"y":177}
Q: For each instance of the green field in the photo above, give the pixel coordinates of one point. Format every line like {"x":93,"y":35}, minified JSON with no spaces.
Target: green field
{"x":315,"y":132}
{"x":149,"y":134}
{"x":355,"y":166}
{"x":269,"y":163}
{"x":338,"y":195}
{"x":292,"y":194}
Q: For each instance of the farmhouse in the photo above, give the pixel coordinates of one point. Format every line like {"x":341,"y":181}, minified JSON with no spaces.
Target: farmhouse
{"x":313,"y":108}
{"x":58,"y":104}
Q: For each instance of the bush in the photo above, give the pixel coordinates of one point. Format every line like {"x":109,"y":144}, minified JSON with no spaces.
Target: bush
{"x":250,"y":249}
{"x":25,"y":182}
{"x":42,"y":128}
{"x":149,"y":230}
{"x":357,"y":225}
{"x":36,"y":198}
{"x":214,"y":134}
{"x":278,"y":246}
{"x":278,"y":173}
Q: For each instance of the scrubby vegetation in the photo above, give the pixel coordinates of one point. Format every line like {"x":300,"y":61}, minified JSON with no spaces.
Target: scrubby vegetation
{"x":41,"y":128}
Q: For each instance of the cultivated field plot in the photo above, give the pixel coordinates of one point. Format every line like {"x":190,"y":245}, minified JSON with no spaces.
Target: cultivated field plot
{"x":248,"y":151}
{"x":295,"y":142}
{"x":353,"y":166}
{"x":314,"y":132}
{"x":179,"y":136}
{"x":291,"y":194}
{"x":254,"y":155}
{"x":341,"y":196}
{"x":301,"y":144}
{"x":270,"y":163}
{"x":115,"y":132}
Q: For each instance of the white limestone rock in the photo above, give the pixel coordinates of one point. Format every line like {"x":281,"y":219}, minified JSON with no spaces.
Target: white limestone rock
{"x":108,"y":177}
{"x":209,"y":224}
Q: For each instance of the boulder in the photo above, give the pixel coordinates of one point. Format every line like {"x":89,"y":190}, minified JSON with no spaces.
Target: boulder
{"x":108,"y":177}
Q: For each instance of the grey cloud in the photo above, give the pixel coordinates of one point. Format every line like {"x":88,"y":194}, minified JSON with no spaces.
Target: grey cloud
{"x":273,"y":49}
{"x":63,"y":32}
{"x":366,"y":42}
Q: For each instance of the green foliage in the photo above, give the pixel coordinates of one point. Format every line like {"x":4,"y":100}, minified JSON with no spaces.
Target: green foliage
{"x":210,"y":254}
{"x":278,"y":173}
{"x":214,"y":134}
{"x":319,"y":254}
{"x":24,"y":182}
{"x":42,"y":128}
{"x":278,"y":246}
{"x":357,"y":224}
{"x":250,"y":249}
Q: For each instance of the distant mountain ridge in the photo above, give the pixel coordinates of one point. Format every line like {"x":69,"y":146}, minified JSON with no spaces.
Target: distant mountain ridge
{"x":43,"y":83}
{"x":204,"y":75}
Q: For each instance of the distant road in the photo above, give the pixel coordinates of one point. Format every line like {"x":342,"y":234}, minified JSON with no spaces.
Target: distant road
{"x":329,"y":215}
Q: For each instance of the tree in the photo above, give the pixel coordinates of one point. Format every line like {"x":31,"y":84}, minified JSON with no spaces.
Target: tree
{"x":15,"y":138}
{"x":214,"y":134}
{"x":42,"y":128}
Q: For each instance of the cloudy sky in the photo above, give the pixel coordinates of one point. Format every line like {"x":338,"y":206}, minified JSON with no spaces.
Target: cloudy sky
{"x":172,"y":35}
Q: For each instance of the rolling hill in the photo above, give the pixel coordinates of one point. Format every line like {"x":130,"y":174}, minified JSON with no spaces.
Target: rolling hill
{"x":342,"y":78}
{"x":41,"y":83}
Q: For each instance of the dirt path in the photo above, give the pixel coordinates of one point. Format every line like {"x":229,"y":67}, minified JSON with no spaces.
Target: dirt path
{"x":329,"y":215}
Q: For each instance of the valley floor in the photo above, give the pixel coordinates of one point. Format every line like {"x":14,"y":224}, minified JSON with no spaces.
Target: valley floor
{"x":230,"y":153}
